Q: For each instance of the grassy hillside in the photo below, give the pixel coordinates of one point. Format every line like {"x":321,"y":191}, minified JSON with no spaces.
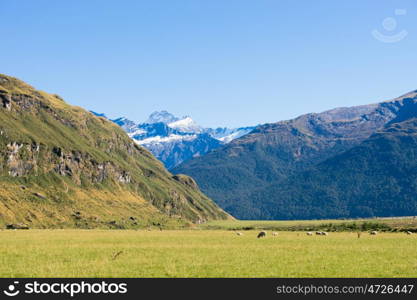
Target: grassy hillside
{"x":62,"y":166}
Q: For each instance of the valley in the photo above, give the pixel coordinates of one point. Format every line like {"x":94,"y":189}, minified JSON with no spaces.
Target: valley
{"x":83,"y":191}
{"x":269,"y":143}
{"x":205,"y":253}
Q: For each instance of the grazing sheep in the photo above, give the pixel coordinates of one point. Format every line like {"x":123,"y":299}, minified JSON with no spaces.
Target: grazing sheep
{"x":409,"y":233}
{"x":275,"y":233}
{"x":373,"y":233}
{"x":309,"y":233}
{"x":318,"y":232}
{"x":239,"y":233}
{"x":261,"y":234}
{"x":324,"y":233}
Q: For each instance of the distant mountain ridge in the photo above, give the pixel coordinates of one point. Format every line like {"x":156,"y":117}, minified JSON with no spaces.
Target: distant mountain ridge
{"x":174,"y":140}
{"x":241,"y":176}
{"x":378,"y":177}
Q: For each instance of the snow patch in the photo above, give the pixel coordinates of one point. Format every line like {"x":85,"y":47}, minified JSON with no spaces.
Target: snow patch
{"x":170,"y":138}
{"x":137,"y":132}
{"x":234,"y":135}
{"x":186,"y":125}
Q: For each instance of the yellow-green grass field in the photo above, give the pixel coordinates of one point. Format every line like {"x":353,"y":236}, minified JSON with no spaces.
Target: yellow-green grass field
{"x":204,"y":253}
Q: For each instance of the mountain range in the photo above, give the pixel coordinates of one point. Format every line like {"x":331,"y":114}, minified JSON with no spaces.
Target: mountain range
{"x":342,"y":163}
{"x":61,"y":166}
{"x":175,"y":140}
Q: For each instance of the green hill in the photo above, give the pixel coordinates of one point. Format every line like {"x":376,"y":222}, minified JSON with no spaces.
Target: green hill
{"x":61,"y":166}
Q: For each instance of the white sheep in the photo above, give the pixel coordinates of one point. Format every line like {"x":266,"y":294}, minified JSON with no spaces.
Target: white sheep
{"x":309,"y":233}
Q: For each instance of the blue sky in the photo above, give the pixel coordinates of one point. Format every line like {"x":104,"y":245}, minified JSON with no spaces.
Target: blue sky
{"x":225,"y":63}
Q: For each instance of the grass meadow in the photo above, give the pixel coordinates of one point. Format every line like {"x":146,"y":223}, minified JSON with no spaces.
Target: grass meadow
{"x":204,"y":253}
{"x":380,"y":224}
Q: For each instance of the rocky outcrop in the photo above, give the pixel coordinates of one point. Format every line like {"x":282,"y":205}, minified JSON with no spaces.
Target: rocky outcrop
{"x":23,"y":160}
{"x":6,"y":101}
{"x":187,"y":180}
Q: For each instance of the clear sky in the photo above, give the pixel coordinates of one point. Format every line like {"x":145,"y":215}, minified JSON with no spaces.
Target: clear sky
{"x":224,"y":62}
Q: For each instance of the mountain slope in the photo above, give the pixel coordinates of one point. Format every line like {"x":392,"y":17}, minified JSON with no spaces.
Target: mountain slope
{"x":62,"y":166}
{"x":270,"y":153}
{"x":376,"y":178}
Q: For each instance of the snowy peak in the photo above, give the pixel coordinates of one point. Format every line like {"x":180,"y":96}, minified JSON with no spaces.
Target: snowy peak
{"x":161,"y":117}
{"x":186,"y":125}
{"x":126,"y":124}
{"x":175,"y":140}
{"x":187,"y":121}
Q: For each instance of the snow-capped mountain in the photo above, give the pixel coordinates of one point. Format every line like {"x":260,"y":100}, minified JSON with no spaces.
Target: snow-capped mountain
{"x":175,"y":140}
{"x":161,"y":117}
{"x":186,"y":125}
{"x":126,"y":124}
{"x":227,"y":135}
